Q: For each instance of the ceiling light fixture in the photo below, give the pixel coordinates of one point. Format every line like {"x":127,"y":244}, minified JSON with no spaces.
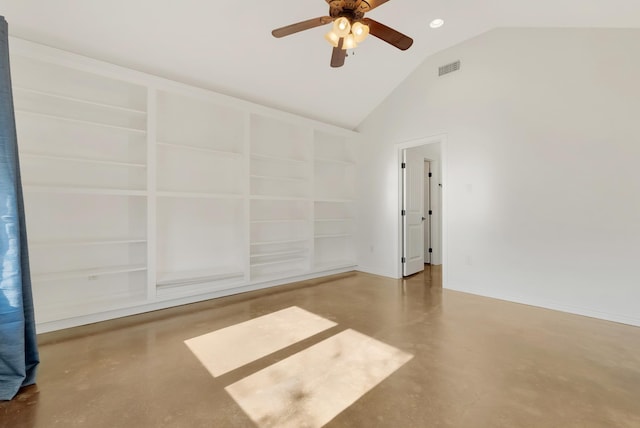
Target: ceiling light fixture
{"x":359,"y":31}
{"x":341,"y":26}
{"x":352,"y":33}
{"x":436,"y":23}
{"x":349,"y":27}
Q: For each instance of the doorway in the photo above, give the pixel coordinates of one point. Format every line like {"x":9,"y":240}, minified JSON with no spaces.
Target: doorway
{"x":421,"y":214}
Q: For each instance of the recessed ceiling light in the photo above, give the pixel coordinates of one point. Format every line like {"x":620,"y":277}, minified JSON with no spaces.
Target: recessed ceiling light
{"x":437,"y":23}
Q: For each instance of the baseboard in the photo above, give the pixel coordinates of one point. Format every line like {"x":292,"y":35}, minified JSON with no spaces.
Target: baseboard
{"x":374,"y":271}
{"x":46,"y":327}
{"x":576,"y":310}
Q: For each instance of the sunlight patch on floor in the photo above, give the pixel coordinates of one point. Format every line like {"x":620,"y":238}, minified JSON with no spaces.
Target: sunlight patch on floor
{"x":313,"y":386}
{"x":308,"y":388}
{"x":232,"y":347}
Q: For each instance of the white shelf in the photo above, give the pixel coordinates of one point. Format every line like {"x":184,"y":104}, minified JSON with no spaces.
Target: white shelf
{"x":79,"y":100}
{"x":336,"y":235}
{"x":93,"y":242}
{"x":327,"y":220}
{"x":81,"y":160}
{"x":168,"y":279}
{"x":196,"y":195}
{"x":279,"y":178}
{"x":278,"y":262}
{"x":280,"y":198}
{"x":278,"y":158}
{"x":332,"y":200}
{"x":338,"y":161}
{"x":278,"y":275}
{"x":84,"y":122}
{"x":338,"y":264}
{"x":277,"y":253}
{"x":81,"y":273}
{"x":83,"y":190}
{"x":199,"y":149}
{"x":289,"y":241}
{"x":284,"y":220}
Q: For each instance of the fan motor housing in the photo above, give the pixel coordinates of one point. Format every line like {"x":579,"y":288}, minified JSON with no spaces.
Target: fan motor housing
{"x":352,"y":9}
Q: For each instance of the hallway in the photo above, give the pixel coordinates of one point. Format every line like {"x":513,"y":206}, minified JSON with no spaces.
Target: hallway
{"x":470,"y":362}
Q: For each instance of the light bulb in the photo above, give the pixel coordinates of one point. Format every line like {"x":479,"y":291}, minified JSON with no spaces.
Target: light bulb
{"x":332,"y":38}
{"x":341,"y":26}
{"x":436,"y":23}
{"x":360,"y":31}
{"x":349,"y":42}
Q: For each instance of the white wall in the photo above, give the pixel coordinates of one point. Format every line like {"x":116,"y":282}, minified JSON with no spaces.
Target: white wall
{"x":542,"y":197}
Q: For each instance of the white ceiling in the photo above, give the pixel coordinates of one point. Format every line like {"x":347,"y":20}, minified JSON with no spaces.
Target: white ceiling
{"x":226,"y":46}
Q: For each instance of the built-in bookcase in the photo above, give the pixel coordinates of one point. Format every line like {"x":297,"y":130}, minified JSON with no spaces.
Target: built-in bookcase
{"x":82,"y":139}
{"x":200,"y":192}
{"x":334,"y":210}
{"x":142,"y":193}
{"x":280,"y":190}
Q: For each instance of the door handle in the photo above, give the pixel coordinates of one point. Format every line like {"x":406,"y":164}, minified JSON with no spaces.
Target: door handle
{"x":423,"y":218}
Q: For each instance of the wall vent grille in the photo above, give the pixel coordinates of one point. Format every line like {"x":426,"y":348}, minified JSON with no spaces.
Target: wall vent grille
{"x":449,"y":68}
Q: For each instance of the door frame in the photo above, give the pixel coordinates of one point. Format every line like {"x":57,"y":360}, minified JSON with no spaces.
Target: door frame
{"x":399,"y":147}
{"x":427,"y":207}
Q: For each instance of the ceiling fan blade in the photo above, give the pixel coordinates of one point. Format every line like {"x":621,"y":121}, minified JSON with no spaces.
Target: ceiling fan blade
{"x":388,"y":34}
{"x":367,"y":5}
{"x":301,"y":26}
{"x":338,"y":55}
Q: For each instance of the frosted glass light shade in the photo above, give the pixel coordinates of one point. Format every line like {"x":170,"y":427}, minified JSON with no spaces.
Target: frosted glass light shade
{"x":349,"y":42}
{"x":360,"y":31}
{"x":332,"y":38}
{"x":341,"y":26}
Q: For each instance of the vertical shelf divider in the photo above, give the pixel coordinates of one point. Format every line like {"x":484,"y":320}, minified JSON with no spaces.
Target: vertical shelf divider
{"x":152,"y":118}
{"x":246,"y":188}
{"x":312,"y":197}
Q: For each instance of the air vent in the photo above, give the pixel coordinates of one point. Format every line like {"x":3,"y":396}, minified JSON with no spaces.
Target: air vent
{"x":449,"y":68}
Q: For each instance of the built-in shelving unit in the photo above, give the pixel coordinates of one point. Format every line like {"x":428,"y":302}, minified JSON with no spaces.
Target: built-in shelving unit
{"x":143,"y":193}
{"x":200,"y":190}
{"x":82,"y":138}
{"x":280,"y":188}
{"x":334,"y":172}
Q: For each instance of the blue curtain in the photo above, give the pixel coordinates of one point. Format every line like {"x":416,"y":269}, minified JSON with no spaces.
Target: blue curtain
{"x":18,"y":348}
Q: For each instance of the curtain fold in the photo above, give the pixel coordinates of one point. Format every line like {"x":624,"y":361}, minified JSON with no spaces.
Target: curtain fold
{"x":18,"y":347}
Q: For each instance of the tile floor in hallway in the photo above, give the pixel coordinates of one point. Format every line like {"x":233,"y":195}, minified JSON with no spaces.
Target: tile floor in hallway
{"x":415,"y":355}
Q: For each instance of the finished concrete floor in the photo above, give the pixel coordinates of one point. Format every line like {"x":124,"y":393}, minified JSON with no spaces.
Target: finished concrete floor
{"x":460,"y":361}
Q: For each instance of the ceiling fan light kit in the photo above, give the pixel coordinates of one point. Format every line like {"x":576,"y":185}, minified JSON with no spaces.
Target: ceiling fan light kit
{"x":341,"y":26}
{"x":349,"y":28}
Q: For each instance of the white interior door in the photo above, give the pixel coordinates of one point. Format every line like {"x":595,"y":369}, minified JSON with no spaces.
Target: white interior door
{"x":412,"y":211}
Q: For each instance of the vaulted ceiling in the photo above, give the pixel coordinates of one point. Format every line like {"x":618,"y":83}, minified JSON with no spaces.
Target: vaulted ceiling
{"x":227,"y":45}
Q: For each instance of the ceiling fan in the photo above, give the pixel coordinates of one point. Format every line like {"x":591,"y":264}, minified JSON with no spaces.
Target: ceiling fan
{"x":350,"y":27}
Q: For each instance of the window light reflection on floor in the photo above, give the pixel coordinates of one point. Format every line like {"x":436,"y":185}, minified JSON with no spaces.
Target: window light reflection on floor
{"x":309,"y":388}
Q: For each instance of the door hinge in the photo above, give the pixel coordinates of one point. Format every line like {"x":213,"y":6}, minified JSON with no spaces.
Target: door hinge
{"x":403,"y":212}
{"x":430,"y":212}
{"x":430,"y":174}
{"x":403,"y":165}
{"x":404,"y":260}
{"x":431,"y":250}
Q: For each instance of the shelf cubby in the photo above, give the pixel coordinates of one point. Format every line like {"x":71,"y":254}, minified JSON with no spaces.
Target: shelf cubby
{"x":198,"y":171}
{"x":334,"y":241}
{"x":51,"y":80}
{"x":199,"y":239}
{"x":82,"y":295}
{"x":198,"y":123}
{"x":50,"y":171}
{"x":334,"y":148}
